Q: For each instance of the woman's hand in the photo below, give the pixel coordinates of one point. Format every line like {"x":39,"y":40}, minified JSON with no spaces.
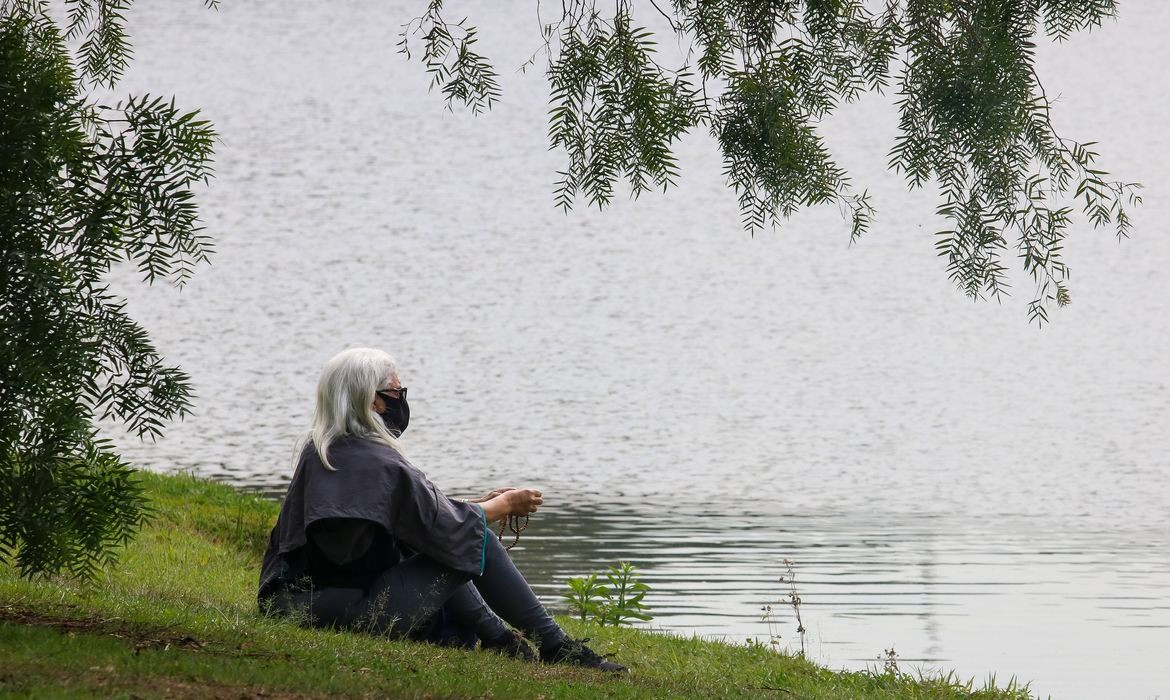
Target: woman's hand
{"x":523,"y":501}
{"x":512,"y":502}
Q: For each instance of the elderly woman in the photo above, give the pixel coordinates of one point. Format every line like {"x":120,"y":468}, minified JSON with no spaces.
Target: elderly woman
{"x":365,"y":541}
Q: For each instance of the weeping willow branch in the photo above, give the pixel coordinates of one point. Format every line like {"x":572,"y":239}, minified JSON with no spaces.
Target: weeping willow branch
{"x":974,"y":119}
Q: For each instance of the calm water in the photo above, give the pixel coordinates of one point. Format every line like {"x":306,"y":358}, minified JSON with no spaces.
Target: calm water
{"x":951,"y":482}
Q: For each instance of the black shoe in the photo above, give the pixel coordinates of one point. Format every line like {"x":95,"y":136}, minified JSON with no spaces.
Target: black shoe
{"x":511,"y":643}
{"x":573,"y":651}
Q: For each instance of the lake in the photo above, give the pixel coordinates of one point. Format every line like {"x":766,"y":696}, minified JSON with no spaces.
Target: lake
{"x":950,"y":482}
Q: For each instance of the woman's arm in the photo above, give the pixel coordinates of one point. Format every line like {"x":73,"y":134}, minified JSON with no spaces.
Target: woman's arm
{"x":491,"y":494}
{"x":512,"y":502}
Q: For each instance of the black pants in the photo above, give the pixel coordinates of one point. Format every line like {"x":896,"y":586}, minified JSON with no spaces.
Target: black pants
{"x":419,"y":596}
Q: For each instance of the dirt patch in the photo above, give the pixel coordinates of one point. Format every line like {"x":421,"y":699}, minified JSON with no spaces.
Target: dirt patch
{"x":136,"y":636}
{"x":107,"y":679}
{"x":165,"y":687}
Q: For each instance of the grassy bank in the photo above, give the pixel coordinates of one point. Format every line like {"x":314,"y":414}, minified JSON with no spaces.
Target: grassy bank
{"x":177,"y":618}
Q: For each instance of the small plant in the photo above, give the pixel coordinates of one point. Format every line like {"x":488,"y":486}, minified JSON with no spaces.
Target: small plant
{"x":789,"y":577}
{"x":615,"y":603}
{"x":770,"y":618}
{"x":626,"y":594}
{"x":889,"y":659}
{"x":586,"y":596}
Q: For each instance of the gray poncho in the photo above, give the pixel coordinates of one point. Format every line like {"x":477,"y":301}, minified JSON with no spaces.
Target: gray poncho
{"x":371,"y":482}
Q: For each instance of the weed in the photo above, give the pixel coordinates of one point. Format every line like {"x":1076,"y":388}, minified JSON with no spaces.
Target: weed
{"x":615,"y":603}
{"x":586,"y":596}
{"x":769,"y":618}
{"x":789,"y":577}
{"x":889,"y":659}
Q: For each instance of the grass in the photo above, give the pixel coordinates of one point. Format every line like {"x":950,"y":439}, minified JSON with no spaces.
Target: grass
{"x":177,"y":618}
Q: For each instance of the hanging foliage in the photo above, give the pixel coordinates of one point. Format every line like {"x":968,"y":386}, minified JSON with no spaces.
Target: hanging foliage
{"x":761,"y":76}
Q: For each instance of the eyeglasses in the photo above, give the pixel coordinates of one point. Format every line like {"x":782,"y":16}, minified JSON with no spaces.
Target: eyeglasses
{"x":389,"y":394}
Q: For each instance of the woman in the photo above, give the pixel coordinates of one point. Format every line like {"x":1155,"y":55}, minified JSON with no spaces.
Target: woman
{"x":365,"y":541}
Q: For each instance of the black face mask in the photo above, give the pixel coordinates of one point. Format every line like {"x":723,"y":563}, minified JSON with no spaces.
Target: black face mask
{"x":396,"y":416}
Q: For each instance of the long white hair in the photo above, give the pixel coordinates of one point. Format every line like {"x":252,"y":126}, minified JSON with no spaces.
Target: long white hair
{"x":345,"y":400}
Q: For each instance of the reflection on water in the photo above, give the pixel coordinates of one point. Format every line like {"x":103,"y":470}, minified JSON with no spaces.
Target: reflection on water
{"x":950,"y":482}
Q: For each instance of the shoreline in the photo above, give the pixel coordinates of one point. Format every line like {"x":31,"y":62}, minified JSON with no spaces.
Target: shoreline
{"x":177,"y":618}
